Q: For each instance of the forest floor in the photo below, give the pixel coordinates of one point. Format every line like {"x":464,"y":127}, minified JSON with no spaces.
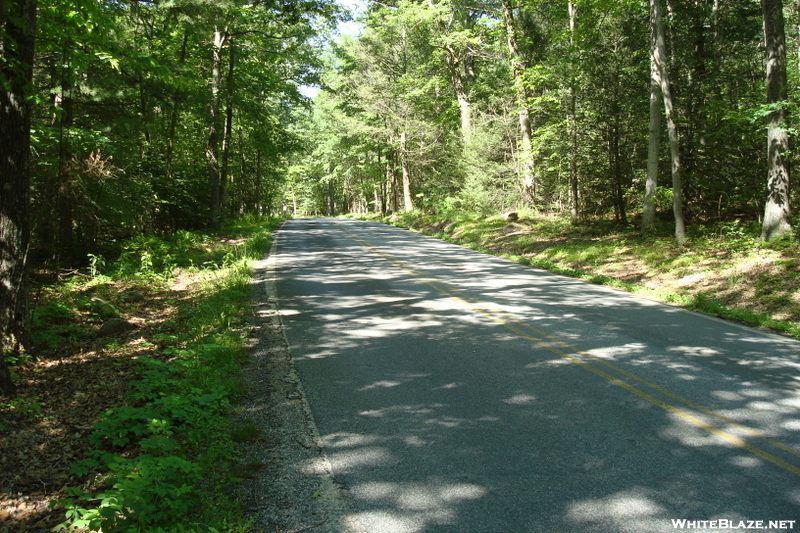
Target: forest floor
{"x":176,"y":297}
{"x":78,"y":374}
{"x":75,"y":377}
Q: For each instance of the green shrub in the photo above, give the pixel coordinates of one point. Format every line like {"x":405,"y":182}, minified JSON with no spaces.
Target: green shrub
{"x":166,"y":459}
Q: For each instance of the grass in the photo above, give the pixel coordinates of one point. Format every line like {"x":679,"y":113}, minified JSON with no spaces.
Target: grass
{"x":724,"y":270}
{"x":137,"y":431}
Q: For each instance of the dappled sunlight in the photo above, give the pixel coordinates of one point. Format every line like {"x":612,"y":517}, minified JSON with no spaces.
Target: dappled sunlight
{"x":377,"y":326}
{"x":401,"y":379}
{"x":633,"y":510}
{"x":414,"y":410}
{"x":614,"y":352}
{"x":549,"y":363}
{"x":520,"y":399}
{"x":446,"y":391}
{"x":346,"y":461}
{"x":695,"y":351}
{"x":348,"y":440}
{"x":695,"y":436}
{"x":417,"y":504}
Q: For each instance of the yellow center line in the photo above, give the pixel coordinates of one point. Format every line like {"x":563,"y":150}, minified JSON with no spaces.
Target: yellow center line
{"x":537,"y":336}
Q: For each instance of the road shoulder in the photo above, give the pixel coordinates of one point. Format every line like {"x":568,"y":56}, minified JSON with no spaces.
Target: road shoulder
{"x":293,"y":490}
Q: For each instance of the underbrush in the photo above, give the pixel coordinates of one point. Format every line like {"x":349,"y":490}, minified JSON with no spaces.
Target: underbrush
{"x":162,"y":457}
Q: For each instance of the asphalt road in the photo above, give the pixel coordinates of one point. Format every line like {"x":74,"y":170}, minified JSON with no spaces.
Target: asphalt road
{"x":454,"y":391}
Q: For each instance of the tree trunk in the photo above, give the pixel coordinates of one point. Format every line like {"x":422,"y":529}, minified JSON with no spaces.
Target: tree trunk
{"x":408,"y":200}
{"x":777,"y":212}
{"x":518,"y":68}
{"x":16,"y":70}
{"x":458,"y":82}
{"x":380,"y":188}
{"x":212,"y":147}
{"x":258,"y":200}
{"x":227,"y":136}
{"x":615,"y":164}
{"x":654,"y":139}
{"x":391,"y":177}
{"x":573,"y":124}
{"x":666,"y":94}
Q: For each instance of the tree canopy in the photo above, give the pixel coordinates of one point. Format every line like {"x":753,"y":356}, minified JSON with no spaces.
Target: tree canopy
{"x":490,"y":106}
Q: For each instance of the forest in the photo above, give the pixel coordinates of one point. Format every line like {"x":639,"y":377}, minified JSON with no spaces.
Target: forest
{"x":136,"y":136}
{"x":127,"y":118}
{"x":558,"y":107}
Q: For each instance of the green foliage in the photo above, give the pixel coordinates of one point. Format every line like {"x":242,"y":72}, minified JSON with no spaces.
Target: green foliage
{"x":420,"y":69}
{"x":166,"y":459}
{"x":22,"y":406}
{"x":707,"y":304}
{"x":121,"y":127}
{"x":52,"y":322}
{"x":144,"y":491}
{"x":245,"y":432}
{"x":26,"y":407}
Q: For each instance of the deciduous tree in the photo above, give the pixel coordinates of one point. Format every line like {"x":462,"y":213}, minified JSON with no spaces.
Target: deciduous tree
{"x":777,"y":211}
{"x":17,"y":36}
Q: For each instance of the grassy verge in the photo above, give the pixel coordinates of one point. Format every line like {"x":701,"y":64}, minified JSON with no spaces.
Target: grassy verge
{"x":724,"y":271}
{"x":132,"y":426}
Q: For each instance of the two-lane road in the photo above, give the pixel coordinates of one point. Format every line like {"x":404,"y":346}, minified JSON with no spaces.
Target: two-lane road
{"x":455,"y":391}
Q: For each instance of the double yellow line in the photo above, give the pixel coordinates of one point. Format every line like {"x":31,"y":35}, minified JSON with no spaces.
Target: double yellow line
{"x":583,"y":359}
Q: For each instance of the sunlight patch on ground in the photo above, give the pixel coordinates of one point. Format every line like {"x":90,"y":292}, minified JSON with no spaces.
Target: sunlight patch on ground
{"x":413,"y":506}
{"x":401,"y":409}
{"x":626,"y":511}
{"x":614,"y":352}
{"x":345,"y":461}
{"x":694,"y":351}
{"x":692,"y":436}
{"x":348,"y":440}
{"x":520,"y":399}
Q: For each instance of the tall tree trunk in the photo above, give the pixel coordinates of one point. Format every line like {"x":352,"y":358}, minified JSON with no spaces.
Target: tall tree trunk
{"x":697,"y":94}
{"x":458,"y":81}
{"x":227,"y":137}
{"x":615,"y":160}
{"x":408,"y":200}
{"x":660,"y":57}
{"x":654,"y":138}
{"x":521,"y":92}
{"x":258,"y":200}
{"x":458,"y":65}
{"x":215,"y":127}
{"x":573,"y":125}
{"x":380,"y":188}
{"x":777,"y":212}
{"x":18,"y":21}
{"x":797,"y":9}
{"x":391,"y":177}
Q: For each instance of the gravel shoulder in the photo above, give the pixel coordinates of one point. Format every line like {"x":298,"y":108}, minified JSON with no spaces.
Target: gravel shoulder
{"x":293,"y":490}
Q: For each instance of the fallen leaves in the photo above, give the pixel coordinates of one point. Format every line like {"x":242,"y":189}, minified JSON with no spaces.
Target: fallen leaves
{"x":74,"y":384}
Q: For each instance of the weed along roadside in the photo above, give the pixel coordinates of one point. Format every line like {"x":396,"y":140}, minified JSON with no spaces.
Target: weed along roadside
{"x":723,"y":271}
{"x":133,"y":427}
